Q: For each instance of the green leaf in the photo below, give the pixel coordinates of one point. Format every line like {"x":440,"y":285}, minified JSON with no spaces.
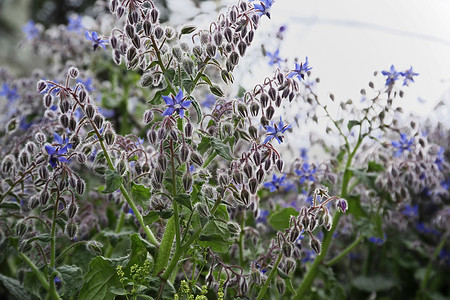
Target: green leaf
{"x":206,"y":79}
{"x":113,"y":181}
{"x":99,"y":279}
{"x":188,"y":29}
{"x":375,"y":167}
{"x":222,"y":213}
{"x":221,"y":149}
{"x":216,"y":235}
{"x":154,"y":286}
{"x":15,"y":288}
{"x":198,"y":110}
{"x":10,"y":205}
{"x":204,"y":145}
{"x":366,"y":178}
{"x":170,"y":74}
{"x":280,"y":220}
{"x":374,"y":283}
{"x":184,"y":199}
{"x":352,"y":123}
{"x":32,"y":284}
{"x":216,"y":90}
{"x":71,"y":278}
{"x":140,"y":194}
{"x":139,"y":249}
{"x":118,"y":291}
{"x":187,"y":84}
{"x":354,"y":206}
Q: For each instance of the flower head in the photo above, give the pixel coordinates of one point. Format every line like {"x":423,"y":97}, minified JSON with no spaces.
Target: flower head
{"x":300,"y":70}
{"x":263,"y":8}
{"x":276,"y":131}
{"x":276,"y":183}
{"x":75,"y":24}
{"x":9,"y":92}
{"x":392,"y":75}
{"x":411,"y":211}
{"x":306,"y":172}
{"x":95,"y":39}
{"x":56,"y":153}
{"x":403,"y":145}
{"x":440,"y":158}
{"x":30,"y":30}
{"x":342,"y":205}
{"x":176,"y":104}
{"x":274,"y":57}
{"x":408,"y":76}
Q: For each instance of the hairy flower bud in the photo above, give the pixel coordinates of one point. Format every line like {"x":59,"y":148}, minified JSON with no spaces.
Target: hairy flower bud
{"x":43,"y":197}
{"x":162,"y":162}
{"x":270,"y":111}
{"x":242,"y":47}
{"x":253,"y":132}
{"x":24,"y":158}
{"x":72,"y":210}
{"x":187,"y":181}
{"x":280,"y":165}
{"x":136,"y":41}
{"x":218,"y":38}
{"x":21,"y":228}
{"x":234,"y":58}
{"x":82,"y":95}
{"x":98,"y":121}
{"x":80,"y":187}
{"x":159,"y":32}
{"x":264,"y":99}
{"x":202,"y":209}
{"x":159,"y":175}
{"x":33,"y":202}
{"x":245,"y":197}
{"x":41,"y":86}
{"x":72,"y":124}
{"x":260,"y":175}
{"x":254,"y":108}
{"x":188,"y":66}
{"x":184,"y":153}
{"x":121,"y":167}
{"x":110,"y":136}
{"x":248,"y":170}
{"x":228,"y":34}
{"x":71,"y":229}
{"x":281,"y":286}
{"x":196,"y":158}
{"x":64,"y":120}
{"x":151,"y":135}
{"x":73,"y":72}
{"x":154,"y":15}
{"x":316,"y":245}
{"x":89,"y":111}
{"x":234,"y":228}
{"x":48,"y":100}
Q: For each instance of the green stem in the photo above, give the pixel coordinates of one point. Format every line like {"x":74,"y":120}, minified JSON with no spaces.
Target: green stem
{"x":344,"y":252}
{"x":436,"y":252}
{"x":166,"y":245}
{"x":241,"y":241}
{"x":314,"y":269}
{"x":119,"y":226}
{"x":52,"y":288}
{"x":271,"y":275}
{"x":36,"y":271}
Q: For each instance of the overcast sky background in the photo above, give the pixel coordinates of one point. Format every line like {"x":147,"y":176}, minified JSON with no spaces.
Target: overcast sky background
{"x":346,"y":41}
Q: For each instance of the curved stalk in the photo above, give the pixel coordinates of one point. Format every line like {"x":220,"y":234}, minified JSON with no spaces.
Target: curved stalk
{"x":271,"y":275}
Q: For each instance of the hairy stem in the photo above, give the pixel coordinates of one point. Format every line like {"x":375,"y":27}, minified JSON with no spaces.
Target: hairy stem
{"x":344,"y":252}
{"x":273,"y":272}
{"x":119,"y":226}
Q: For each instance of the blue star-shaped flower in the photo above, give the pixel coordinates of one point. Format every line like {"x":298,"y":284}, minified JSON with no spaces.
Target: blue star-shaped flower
{"x":276,"y":132}
{"x":95,"y":39}
{"x":9,"y":93}
{"x":276,"y":183}
{"x":75,"y":24}
{"x":411,"y":211}
{"x":306,"y":173}
{"x":392,"y":75}
{"x":274,"y":57}
{"x":56,"y":154}
{"x":176,"y":104}
{"x":263,"y":8}
{"x":408,"y":76}
{"x":403,"y":145}
{"x":300,"y":70}
{"x":30,"y":30}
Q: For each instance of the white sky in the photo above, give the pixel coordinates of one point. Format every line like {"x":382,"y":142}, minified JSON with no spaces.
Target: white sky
{"x":347,"y":40}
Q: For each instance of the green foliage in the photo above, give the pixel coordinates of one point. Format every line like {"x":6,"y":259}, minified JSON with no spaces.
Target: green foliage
{"x":113,"y":181}
{"x":280,"y":219}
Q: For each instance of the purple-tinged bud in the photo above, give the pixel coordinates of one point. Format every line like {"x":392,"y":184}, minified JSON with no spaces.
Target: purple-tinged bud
{"x":267,"y":164}
{"x":64,"y":105}
{"x":176,"y":51}
{"x":253,"y":186}
{"x":120,"y":11}
{"x":248,"y":170}
{"x":71,"y":229}
{"x":131,"y":54}
{"x":123,"y":49}
{"x":280,"y":165}
{"x":133,"y":17}
{"x":98,"y":121}
{"x":293,"y":235}
{"x":242,"y":109}
{"x":291,"y":96}
{"x":228,"y":34}
{"x":233,"y":16}
{"x":72,"y":210}
{"x":218,"y":38}
{"x":255,"y":276}
{"x":121,"y":167}
{"x":80,"y":187}
{"x":211,"y":50}
{"x":223,"y":178}
{"x":145,"y":168}
{"x":24,"y":158}
{"x":43,"y":197}
{"x":162,"y":162}
{"x":287,"y":249}
{"x":285,"y":93}
{"x":202,"y":210}
{"x":159,"y":32}
{"x":243,"y":6}
{"x":82,"y":95}
{"x":316,"y":245}
{"x":39,"y":137}
{"x":138,"y":167}
{"x":187,"y":181}
{"x":113,"y":42}
{"x":188,"y":129}
{"x":129,"y":29}
{"x":89,"y":111}
{"x":278,"y":101}
{"x":254,"y":108}
{"x":289,"y":265}
{"x":312,"y":224}
{"x":257,"y":158}
{"x":154,"y":15}
{"x":48,"y":100}
{"x":74,"y":72}
{"x":260,"y":175}
{"x":264,"y":100}
{"x":188,"y":66}
{"x":33,"y":202}
{"x":113,"y":5}
{"x":342,"y":205}
{"x":148,"y":116}
{"x":243,"y":287}
{"x":245,"y":197}
{"x":253,"y":132}
{"x":64,"y":120}
{"x":234,"y":58}
{"x":159,"y":175}
{"x":238,"y":177}
{"x":197,"y":159}
{"x":31,"y":147}
{"x":110,"y":137}
{"x":272,"y":93}
{"x":297,"y":253}
{"x":281,"y":286}
{"x":136,"y":41}
{"x":241,"y":48}
{"x":72,"y":182}
{"x":72,"y":124}
{"x":249,"y":37}
{"x":81,"y":158}
{"x":270,"y":111}
{"x":147,"y":28}
{"x":21,"y":228}
{"x":184,"y":153}
{"x":41,"y":85}
{"x":151,"y":135}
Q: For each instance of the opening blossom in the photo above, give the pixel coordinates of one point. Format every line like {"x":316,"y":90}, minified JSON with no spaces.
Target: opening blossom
{"x":276,"y":183}
{"x":263,"y":8}
{"x":408,"y":76}
{"x":392,"y":75}
{"x":95,"y":39}
{"x":300,"y":70}
{"x":276,"y":132}
{"x":306,"y":173}
{"x":403,"y":145}
{"x":56,"y":153}
{"x":176,"y":104}
{"x":274,"y":57}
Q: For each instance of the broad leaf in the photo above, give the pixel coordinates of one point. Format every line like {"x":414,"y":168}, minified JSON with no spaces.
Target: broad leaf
{"x":217,"y":236}
{"x":71,"y":278}
{"x":280,"y":220}
{"x":184,"y":199}
{"x":141,"y":194}
{"x":113,"y":181}
{"x":15,"y":288}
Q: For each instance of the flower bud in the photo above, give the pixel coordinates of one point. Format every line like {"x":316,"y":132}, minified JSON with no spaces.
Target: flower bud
{"x":113,"y":42}
{"x":184,"y":153}
{"x":253,"y":132}
{"x":113,"y":5}
{"x":154,"y":15}
{"x":270,"y":111}
{"x":43,"y":197}
{"x":294,"y":234}
{"x":211,"y":50}
{"x":287,"y":249}
{"x":223,"y":179}
{"x":64,"y":120}
{"x":11,"y":125}
{"x":33,"y":202}
{"x":255,"y":276}
{"x":147,"y":28}
{"x":136,"y":41}
{"x":82,"y":95}
{"x":25,"y":246}
{"x":41,"y":86}
{"x":21,"y":228}
{"x":64,"y":105}
{"x":234,"y":228}
{"x":80,"y":187}
{"x":133,"y":17}
{"x":98,"y":121}
{"x":254,"y":108}
{"x":39,"y":137}
{"x":188,"y":129}
{"x":316,"y":245}
{"x":248,"y":170}
{"x":187,"y":181}
{"x":197,"y":159}
{"x":121,"y":167}
{"x":94,"y":247}
{"x":72,"y":210}
{"x":228,"y":34}
{"x":24,"y":158}
{"x":159,"y":175}
{"x":89,"y":111}
{"x":260,"y":174}
{"x":234,"y":58}
{"x":73,"y":72}
{"x":281,"y":286}
{"x":110,"y":136}
{"x":145,"y":168}
{"x":257,"y":158}
{"x":253,"y":186}
{"x":138,"y":167}
{"x":162,"y":162}
{"x":151,"y":135}
{"x":159,"y":32}
{"x":48,"y":100}
{"x":280,"y":165}
{"x":188,"y":66}
{"x":202,"y":209}
{"x":242,"y":47}
{"x":72,"y":124}
{"x":342,"y":205}
{"x":81,"y":158}
{"x":264,"y":99}
{"x":245,"y":197}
